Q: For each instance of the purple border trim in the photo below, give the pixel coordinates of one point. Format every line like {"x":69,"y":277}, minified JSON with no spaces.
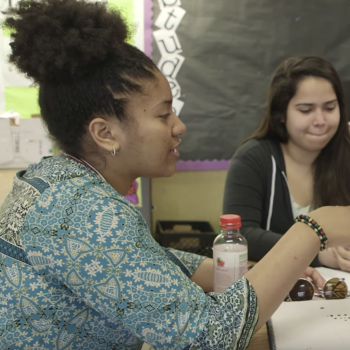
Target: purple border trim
{"x":196,"y":165}
{"x":148,"y":27}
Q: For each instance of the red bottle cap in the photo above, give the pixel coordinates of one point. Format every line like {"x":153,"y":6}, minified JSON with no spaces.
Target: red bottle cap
{"x":230,"y":221}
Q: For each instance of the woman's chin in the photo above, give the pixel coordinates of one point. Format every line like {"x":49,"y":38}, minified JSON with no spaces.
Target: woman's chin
{"x":169,"y":172}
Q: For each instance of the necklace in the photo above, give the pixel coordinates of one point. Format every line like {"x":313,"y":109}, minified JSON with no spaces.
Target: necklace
{"x":85,"y":163}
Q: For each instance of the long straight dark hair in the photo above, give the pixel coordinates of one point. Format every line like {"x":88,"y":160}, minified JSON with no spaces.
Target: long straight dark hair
{"x":332,"y":166}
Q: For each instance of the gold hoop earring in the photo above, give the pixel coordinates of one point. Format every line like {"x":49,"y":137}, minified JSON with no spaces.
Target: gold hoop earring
{"x":113,"y":152}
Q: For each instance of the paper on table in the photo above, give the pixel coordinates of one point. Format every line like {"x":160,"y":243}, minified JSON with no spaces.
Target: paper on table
{"x":308,"y":325}
{"x":316,"y":324}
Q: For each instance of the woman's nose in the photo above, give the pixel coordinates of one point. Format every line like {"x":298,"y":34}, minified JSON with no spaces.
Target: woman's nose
{"x":319,"y":118}
{"x":179,"y":127}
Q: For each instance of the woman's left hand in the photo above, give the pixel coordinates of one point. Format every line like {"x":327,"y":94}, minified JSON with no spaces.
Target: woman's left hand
{"x":342,"y":256}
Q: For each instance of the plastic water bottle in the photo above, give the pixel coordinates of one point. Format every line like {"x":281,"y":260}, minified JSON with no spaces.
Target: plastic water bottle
{"x":230,"y":253}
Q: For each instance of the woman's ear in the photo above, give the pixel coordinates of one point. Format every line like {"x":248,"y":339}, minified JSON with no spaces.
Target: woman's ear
{"x":106,"y":134}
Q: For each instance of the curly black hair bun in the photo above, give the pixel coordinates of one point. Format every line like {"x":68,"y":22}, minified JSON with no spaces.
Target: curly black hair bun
{"x":64,"y":40}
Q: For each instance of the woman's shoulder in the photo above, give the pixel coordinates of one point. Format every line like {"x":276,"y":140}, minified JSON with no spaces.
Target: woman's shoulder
{"x":68,"y":177}
{"x":258,"y":147}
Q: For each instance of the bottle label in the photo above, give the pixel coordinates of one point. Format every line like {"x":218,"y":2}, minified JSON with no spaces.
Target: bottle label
{"x":228,"y":266}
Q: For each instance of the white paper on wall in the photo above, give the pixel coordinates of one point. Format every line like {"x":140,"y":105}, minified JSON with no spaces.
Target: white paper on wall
{"x":168,"y":3}
{"x":177,"y":106}
{"x":34,"y":141}
{"x":139,"y":20}
{"x":23,"y":144}
{"x":167,"y":42}
{"x":11,"y":75}
{"x":175,"y":87}
{"x":170,"y":18}
{"x":170,"y":65}
{"x":7,"y":149}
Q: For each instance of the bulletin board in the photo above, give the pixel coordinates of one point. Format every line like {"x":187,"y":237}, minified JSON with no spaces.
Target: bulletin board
{"x":219,"y":57}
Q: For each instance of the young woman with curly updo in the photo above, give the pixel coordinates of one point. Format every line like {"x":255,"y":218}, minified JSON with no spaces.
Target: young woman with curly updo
{"x":79,"y":268}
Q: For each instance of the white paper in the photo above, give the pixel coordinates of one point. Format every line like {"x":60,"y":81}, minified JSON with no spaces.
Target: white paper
{"x":139,"y":16}
{"x":168,"y":3}
{"x":11,"y":75}
{"x":177,"y":106}
{"x":170,"y":65}
{"x":24,"y":144}
{"x":34,"y":140}
{"x":167,"y":42}
{"x":175,"y":87}
{"x":4,"y":4}
{"x":7,"y":152}
{"x":15,"y":116}
{"x":317,"y":324}
{"x":170,"y":18}
{"x":309,"y":325}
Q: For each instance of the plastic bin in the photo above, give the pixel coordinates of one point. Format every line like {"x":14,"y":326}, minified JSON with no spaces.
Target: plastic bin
{"x":190,"y":236}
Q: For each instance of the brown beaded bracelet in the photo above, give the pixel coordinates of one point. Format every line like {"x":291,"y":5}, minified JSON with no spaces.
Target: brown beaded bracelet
{"x":316,"y":227}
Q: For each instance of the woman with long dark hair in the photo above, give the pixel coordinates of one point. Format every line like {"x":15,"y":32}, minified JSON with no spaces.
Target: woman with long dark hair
{"x":296,"y":161}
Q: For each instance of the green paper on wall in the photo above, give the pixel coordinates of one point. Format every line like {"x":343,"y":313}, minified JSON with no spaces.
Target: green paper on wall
{"x":126,"y":7}
{"x":24,"y":100}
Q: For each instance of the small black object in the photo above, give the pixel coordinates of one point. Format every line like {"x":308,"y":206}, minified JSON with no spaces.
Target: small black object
{"x":190,"y":236}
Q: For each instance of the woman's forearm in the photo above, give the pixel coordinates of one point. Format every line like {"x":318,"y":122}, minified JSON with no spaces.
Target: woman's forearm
{"x":204,"y":275}
{"x":274,"y":276}
{"x":327,"y":258}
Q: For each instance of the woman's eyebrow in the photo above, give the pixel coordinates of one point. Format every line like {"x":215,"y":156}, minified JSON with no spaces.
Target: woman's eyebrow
{"x":304,"y":104}
{"x":332,"y":101}
{"x":168,"y":102}
{"x":311,"y":104}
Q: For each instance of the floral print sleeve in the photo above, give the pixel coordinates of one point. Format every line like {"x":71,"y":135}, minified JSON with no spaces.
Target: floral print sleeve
{"x":188,"y":262}
{"x":93,"y":245}
{"x":232,"y":317}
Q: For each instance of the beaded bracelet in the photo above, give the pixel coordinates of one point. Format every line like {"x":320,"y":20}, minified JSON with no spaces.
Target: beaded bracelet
{"x":316,"y":227}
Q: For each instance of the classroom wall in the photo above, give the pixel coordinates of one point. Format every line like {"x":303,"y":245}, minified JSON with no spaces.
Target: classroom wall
{"x":189,"y":195}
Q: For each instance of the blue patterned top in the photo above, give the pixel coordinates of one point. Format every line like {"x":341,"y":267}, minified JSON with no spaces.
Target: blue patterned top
{"x":79,"y":269}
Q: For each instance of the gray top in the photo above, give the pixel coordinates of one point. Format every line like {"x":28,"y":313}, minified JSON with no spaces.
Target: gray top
{"x":256,"y":189}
